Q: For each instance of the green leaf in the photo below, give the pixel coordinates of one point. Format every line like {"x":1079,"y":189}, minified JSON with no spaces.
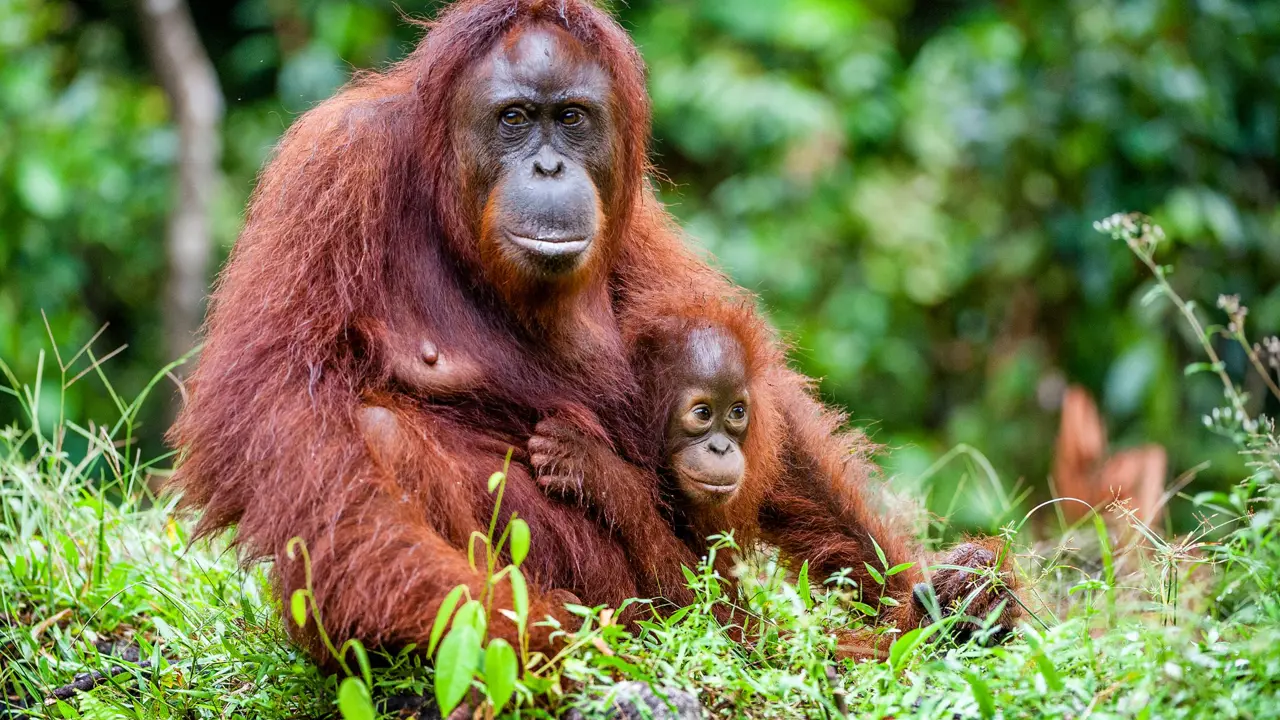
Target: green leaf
{"x":541,"y":685}
{"x":298,"y":607}
{"x":157,"y":660}
{"x":456,"y":665}
{"x":1200,"y":367}
{"x":884,"y":563}
{"x":875,"y":574}
{"x":902,"y":648}
{"x":864,"y":608}
{"x":677,"y":616}
{"x":1108,"y":561}
{"x":581,"y":611}
{"x":900,"y":567}
{"x":471,"y":614}
{"x":70,"y":551}
{"x":519,"y":597}
{"x":165,"y":630}
{"x":519,"y":541}
{"x":802,"y":586}
{"x":353,"y":700}
{"x":981,"y":695}
{"x":630,"y":670}
{"x":362,"y":659}
{"x":442,"y":617}
{"x":1043,"y":663}
{"x":495,"y":480}
{"x":689,"y":577}
{"x":40,"y":189}
{"x":499,"y":672}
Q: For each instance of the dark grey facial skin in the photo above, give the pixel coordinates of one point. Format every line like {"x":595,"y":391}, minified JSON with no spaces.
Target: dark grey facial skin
{"x":709,"y":422}
{"x":535,"y":136}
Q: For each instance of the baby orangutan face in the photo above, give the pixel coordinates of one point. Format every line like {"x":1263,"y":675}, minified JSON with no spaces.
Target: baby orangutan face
{"x":708,"y":423}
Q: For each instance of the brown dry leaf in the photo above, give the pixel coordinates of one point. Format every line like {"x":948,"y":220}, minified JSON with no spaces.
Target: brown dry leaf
{"x":1137,"y":475}
{"x":47,"y":623}
{"x":1082,"y":443}
{"x":1082,"y":470}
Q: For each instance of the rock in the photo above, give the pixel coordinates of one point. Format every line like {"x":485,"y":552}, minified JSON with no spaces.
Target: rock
{"x":634,"y":700}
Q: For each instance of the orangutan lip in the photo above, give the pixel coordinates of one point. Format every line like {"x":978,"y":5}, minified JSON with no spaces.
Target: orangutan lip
{"x":717,"y":489}
{"x":552,"y":246}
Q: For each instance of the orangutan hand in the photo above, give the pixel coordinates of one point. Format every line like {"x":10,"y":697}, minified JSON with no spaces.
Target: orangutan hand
{"x":560,"y":454}
{"x":972,"y":586}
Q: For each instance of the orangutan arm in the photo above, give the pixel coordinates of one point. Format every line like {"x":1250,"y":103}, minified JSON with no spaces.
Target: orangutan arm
{"x":822,"y":511}
{"x":380,"y":569}
{"x":570,"y":463}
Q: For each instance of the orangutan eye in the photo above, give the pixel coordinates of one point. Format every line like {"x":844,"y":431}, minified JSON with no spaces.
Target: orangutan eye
{"x":702,"y":413}
{"x":571,"y":117}
{"x":738,"y":413}
{"x":514,"y":117}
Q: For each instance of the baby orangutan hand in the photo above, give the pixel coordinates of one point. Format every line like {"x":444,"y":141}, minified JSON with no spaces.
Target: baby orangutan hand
{"x":972,"y":585}
{"x":561,"y":455}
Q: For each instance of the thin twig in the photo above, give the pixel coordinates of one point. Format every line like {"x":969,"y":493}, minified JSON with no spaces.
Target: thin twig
{"x":1216,"y":363}
{"x":1257,"y":363}
{"x":84,"y":682}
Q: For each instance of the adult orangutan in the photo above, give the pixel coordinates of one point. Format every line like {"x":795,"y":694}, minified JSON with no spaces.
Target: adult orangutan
{"x":486,"y":194}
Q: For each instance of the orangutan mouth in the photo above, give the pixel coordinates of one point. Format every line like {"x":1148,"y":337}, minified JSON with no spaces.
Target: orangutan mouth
{"x":552,"y":247}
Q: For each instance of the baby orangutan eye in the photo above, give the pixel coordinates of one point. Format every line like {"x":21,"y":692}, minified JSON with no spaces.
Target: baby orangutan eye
{"x":738,"y":413}
{"x":702,"y":413}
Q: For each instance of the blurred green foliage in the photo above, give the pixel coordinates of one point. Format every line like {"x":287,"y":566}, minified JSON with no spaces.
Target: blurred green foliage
{"x":908,"y":185}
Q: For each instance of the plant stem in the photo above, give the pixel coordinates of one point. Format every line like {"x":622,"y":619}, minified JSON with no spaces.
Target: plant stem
{"x":1218,"y":366}
{"x":1257,"y":362}
{"x":491,"y":552}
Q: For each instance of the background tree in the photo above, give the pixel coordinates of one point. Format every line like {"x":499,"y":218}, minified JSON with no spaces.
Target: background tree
{"x":189,"y":81}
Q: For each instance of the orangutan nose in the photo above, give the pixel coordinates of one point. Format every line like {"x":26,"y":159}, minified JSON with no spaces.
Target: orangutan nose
{"x":718,"y":445}
{"x":547,"y":164}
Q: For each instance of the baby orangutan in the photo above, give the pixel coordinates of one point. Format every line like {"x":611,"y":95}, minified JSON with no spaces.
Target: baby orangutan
{"x":710,"y":400}
{"x":706,"y":424}
{"x":706,"y":411}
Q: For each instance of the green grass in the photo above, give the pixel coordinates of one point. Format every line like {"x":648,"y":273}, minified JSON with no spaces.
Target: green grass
{"x":1122,"y":622}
